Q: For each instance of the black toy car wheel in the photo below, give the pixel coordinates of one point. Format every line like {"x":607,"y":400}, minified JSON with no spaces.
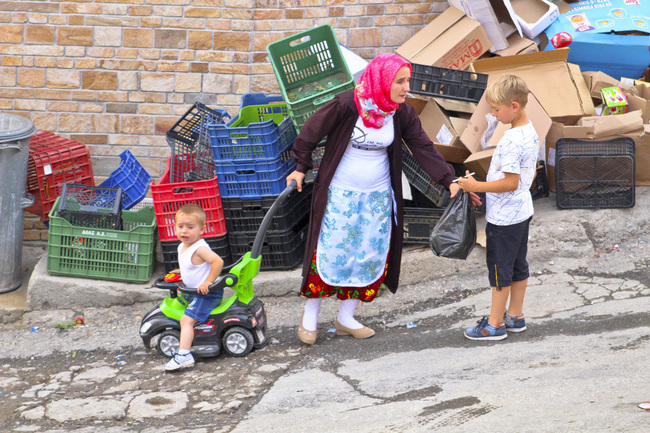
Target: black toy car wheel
{"x":169,"y":342}
{"x":238,"y":341}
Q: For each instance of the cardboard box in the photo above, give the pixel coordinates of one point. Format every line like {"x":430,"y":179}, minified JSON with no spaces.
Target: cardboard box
{"x":614,"y":101}
{"x":452,"y":40}
{"x":440,"y":130}
{"x":638,"y":97}
{"x":597,"y":42}
{"x":604,"y":128}
{"x":534,"y":16}
{"x":479,"y":160}
{"x":557,"y":85}
{"x":518,"y":45}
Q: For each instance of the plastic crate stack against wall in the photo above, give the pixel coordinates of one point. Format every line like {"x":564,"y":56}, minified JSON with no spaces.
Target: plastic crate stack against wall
{"x":169,"y":196}
{"x":190,"y":177}
{"x":120,"y":254}
{"x":53,"y":162}
{"x":252,"y":156}
{"x":595,"y":174}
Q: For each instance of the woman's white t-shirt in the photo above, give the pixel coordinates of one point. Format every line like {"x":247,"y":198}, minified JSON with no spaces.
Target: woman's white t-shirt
{"x":364,"y":166}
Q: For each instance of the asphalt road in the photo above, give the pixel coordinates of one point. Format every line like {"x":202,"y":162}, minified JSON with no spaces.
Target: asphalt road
{"x":581,"y":366}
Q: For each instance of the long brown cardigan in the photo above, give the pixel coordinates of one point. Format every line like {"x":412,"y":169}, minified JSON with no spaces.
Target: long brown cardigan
{"x":336,"y":119}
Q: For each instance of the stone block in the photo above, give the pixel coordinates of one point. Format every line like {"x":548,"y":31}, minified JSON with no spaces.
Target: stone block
{"x":71,"y":122}
{"x":217,"y":83}
{"x":136,"y":124}
{"x":199,"y":67}
{"x":30,"y":104}
{"x":90,"y":138}
{"x":140,"y":10}
{"x":37,"y":34}
{"x":370,"y":37}
{"x":12,"y":61}
{"x":45,"y":121}
{"x":99,"y":80}
{"x":59,"y":78}
{"x":232,"y":41}
{"x":63,"y":106}
{"x":105,"y":123}
{"x":74,"y":36}
{"x":108,"y":36}
{"x":127,"y":80}
{"x":29,"y":77}
{"x":157,"y":82}
{"x":199,"y":40}
{"x":11,"y":34}
{"x":188,"y":82}
{"x":211,"y":12}
{"x":142,"y":38}
{"x":170,"y":39}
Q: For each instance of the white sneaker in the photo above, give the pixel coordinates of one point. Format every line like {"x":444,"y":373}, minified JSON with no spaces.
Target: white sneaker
{"x":179,"y":361}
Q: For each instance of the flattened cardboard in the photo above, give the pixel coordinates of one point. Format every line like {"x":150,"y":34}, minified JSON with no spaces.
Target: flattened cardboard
{"x":452,"y":40}
{"x":602,"y":129}
{"x":440,"y":130}
{"x":557,"y":85}
{"x":479,"y":160}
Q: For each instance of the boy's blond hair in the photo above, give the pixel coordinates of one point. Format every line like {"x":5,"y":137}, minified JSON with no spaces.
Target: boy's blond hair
{"x":193,"y":210}
{"x":507,"y":89}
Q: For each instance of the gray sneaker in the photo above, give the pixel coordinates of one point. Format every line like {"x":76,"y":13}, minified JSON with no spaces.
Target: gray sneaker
{"x":179,"y":361}
{"x":514,"y":323}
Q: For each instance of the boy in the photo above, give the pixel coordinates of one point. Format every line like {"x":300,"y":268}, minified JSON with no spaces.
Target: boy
{"x":199,"y":267}
{"x":509,"y":209}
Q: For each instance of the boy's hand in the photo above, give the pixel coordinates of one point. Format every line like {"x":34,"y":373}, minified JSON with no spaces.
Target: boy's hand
{"x":453,"y":189}
{"x":468,"y":183}
{"x":203,"y":288}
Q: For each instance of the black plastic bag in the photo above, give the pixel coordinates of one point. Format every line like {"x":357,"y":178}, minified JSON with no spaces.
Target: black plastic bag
{"x":454,"y":236}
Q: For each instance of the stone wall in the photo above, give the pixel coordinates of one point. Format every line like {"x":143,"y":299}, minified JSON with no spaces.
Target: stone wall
{"x":116,"y":74}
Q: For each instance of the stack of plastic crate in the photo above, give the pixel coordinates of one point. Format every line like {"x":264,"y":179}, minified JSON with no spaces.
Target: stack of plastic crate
{"x":131,"y":177}
{"x":53,"y":162}
{"x":252,"y":156}
{"x":123,"y":251}
{"x":190,"y":178}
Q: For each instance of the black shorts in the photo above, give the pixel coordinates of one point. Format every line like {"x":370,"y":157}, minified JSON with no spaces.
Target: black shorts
{"x":506,"y":249}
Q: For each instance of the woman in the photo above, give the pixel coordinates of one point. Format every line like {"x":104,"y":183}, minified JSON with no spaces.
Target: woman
{"x":354,"y":240}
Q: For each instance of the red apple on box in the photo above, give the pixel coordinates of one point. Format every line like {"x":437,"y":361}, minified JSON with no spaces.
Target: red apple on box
{"x":561,"y":40}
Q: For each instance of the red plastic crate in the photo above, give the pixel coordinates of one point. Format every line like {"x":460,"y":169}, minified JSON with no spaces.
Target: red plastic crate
{"x":53,"y":162}
{"x":169,"y":197}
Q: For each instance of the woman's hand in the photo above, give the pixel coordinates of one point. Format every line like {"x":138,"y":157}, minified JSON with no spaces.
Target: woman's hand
{"x":298,"y":177}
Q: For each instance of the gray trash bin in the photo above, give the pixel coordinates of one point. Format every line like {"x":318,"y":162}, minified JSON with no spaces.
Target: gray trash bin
{"x":14,"y":154}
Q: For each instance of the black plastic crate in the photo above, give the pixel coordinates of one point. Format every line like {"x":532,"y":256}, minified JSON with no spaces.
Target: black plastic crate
{"x":247,"y":215}
{"x":190,"y":144}
{"x":595,"y":174}
{"x":539,"y":187}
{"x":418,"y":223}
{"x":416,"y":176}
{"x":91,"y":206}
{"x":448,"y":83}
{"x":218,"y":244}
{"x":281,"y":250}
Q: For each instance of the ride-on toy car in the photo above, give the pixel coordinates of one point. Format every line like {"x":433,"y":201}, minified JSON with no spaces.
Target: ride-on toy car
{"x":238,"y":323}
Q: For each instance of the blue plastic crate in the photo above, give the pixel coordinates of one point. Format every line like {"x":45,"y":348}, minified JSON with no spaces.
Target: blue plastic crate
{"x":131,"y":177}
{"x":258,"y":99}
{"x":259,"y":131}
{"x":261,"y":178}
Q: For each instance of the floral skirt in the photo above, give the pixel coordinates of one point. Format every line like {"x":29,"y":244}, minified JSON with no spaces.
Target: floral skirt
{"x":316,"y":288}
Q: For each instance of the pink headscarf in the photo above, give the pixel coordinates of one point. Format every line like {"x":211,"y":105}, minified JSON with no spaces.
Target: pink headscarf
{"x":372,"y":94}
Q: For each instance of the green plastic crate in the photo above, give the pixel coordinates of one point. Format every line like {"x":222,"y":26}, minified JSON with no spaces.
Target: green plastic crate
{"x":120,"y":255}
{"x":310,"y":69}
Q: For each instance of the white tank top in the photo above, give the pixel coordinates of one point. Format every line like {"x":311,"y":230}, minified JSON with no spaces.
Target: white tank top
{"x":193,"y":275}
{"x":364,"y":166}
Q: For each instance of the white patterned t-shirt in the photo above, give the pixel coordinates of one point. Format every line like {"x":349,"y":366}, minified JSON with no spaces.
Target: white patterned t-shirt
{"x":516,"y":153}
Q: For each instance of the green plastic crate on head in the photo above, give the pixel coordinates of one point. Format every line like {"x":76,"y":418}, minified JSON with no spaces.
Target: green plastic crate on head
{"x":310,"y":69}
{"x":120,"y":255}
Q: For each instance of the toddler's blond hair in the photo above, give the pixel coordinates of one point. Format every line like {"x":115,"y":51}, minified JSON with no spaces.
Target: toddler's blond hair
{"x":193,"y":210}
{"x":507,"y":89}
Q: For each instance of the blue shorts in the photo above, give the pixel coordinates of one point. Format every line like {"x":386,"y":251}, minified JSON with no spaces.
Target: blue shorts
{"x":201,"y":306}
{"x":505,"y":253}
